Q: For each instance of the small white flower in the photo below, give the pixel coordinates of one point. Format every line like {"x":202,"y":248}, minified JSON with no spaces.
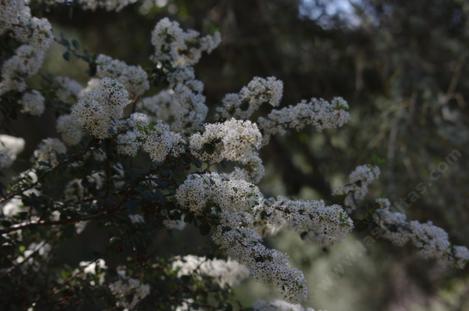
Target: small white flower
{"x":90,"y":267}
{"x":136,"y":218}
{"x":10,"y":147}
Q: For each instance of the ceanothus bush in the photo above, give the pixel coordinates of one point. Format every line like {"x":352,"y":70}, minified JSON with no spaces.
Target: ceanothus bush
{"x":127,"y":162}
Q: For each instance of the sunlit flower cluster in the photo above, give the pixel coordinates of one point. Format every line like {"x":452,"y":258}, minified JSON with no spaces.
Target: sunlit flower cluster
{"x":10,"y":147}
{"x":12,"y":207}
{"x":96,"y":268}
{"x":91,"y":267}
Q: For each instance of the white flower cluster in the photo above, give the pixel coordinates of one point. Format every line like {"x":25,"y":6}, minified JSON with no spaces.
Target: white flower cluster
{"x":155,"y":138}
{"x":10,"y":147}
{"x":32,"y":103}
{"x":128,"y":291}
{"x":15,"y":205}
{"x":319,"y":113}
{"x":108,"y":5}
{"x":244,"y":213}
{"x":245,"y":103}
{"x":201,"y":192}
{"x":12,"y":207}
{"x":96,"y":268}
{"x":224,"y":272}
{"x":180,"y":48}
{"x":134,"y":78}
{"x":161,"y":142}
{"x":182,"y":106}
{"x":232,"y":140}
{"x":358,"y":182}
{"x":430,"y":240}
{"x":312,"y":220}
{"x":129,"y":142}
{"x":35,"y":34}
{"x":236,"y":202}
{"x":48,"y":151}
{"x":11,"y":12}
{"x":236,"y":237}
{"x":136,"y":218}
{"x":67,"y":90}
{"x":90,"y":267}
{"x":278,"y":305}
{"x":69,"y":129}
{"x":100,"y":106}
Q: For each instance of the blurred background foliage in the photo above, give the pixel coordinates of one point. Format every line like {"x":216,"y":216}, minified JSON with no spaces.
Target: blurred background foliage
{"x":402,"y":67}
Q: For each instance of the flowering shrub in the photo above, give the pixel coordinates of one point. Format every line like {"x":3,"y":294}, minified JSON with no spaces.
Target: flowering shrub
{"x":129,"y":163}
